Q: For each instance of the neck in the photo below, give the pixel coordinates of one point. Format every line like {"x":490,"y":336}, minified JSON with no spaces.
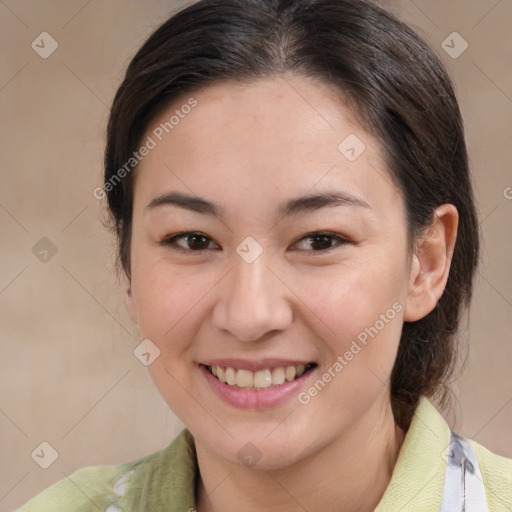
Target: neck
{"x":353,"y":470}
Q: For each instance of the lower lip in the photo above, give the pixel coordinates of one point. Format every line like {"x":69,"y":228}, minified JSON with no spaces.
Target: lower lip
{"x":255,"y":398}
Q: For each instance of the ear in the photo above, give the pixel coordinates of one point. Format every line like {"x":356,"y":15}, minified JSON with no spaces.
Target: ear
{"x":430,"y":263}
{"x":130,"y":303}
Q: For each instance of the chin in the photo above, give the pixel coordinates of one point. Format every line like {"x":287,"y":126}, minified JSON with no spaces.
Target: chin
{"x":262,"y":449}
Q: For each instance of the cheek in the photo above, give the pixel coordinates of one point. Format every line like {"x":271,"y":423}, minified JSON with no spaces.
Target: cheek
{"x":168,"y":302}
{"x":357,"y":314}
{"x":349,"y":300}
{"x":360,"y":325}
{"x":169,"y":313}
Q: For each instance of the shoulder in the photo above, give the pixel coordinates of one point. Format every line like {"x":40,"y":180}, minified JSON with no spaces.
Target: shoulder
{"x":486,"y":469}
{"x":485,"y":472}
{"x":496,"y":475}
{"x":112,"y":488}
{"x":86,"y":489}
{"x":430,"y":474}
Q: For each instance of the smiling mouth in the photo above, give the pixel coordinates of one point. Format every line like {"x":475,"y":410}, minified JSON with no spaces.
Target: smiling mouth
{"x":262,"y":379}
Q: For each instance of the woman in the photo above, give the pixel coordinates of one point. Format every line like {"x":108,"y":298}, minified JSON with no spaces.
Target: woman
{"x":289,"y":185}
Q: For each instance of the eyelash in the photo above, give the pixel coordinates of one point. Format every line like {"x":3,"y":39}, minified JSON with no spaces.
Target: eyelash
{"x":170,"y":241}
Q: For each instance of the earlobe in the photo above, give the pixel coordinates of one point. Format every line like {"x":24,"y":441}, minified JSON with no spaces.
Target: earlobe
{"x":130,"y":304}
{"x":430,"y":265}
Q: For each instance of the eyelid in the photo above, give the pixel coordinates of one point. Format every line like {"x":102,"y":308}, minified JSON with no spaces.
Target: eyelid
{"x":335,"y":236}
{"x":170,"y":241}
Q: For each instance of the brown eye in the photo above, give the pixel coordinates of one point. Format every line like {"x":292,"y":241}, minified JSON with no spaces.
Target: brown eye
{"x":319,"y":241}
{"x":189,"y":241}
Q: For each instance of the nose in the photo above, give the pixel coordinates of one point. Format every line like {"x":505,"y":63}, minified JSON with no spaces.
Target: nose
{"x":252,"y":301}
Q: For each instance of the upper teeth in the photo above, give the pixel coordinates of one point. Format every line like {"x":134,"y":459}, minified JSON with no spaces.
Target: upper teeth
{"x":260,"y":379}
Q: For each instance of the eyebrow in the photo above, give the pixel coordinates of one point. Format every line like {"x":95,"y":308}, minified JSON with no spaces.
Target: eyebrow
{"x":294,"y":206}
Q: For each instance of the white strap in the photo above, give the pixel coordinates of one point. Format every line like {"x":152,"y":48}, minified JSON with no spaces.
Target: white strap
{"x":464,"y":489}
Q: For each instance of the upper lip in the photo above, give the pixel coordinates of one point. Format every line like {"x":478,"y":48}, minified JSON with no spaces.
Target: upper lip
{"x":261,"y":364}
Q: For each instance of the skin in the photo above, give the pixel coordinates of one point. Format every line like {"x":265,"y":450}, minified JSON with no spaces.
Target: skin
{"x":250,"y":148}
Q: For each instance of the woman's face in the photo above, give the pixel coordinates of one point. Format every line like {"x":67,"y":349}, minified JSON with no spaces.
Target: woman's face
{"x":270,"y":280}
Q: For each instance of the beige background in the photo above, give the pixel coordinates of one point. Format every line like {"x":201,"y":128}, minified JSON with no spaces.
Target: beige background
{"x":68,"y":374}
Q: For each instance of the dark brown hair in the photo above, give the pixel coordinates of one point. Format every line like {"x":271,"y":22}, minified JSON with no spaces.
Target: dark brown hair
{"x":396,"y":87}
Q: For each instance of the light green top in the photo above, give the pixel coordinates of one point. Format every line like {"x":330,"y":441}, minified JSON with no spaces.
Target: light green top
{"x":165,"y":481}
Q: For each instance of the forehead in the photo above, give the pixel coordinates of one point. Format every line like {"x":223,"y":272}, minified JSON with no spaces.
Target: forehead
{"x":278,"y":136}
{"x":282,"y":111}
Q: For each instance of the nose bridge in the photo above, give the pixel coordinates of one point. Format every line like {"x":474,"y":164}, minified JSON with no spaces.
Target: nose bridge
{"x":252,"y":302}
